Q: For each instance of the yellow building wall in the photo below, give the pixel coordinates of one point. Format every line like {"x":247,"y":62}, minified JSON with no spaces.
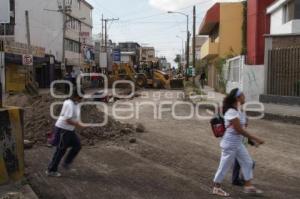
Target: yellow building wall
{"x":231,"y":22}
{"x":15,"y":77}
{"x":11,"y":144}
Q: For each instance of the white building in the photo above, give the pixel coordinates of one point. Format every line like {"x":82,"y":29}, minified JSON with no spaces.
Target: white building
{"x":46,"y":37}
{"x":200,"y":40}
{"x":78,"y":40}
{"x":46,"y":28}
{"x":285,"y":17}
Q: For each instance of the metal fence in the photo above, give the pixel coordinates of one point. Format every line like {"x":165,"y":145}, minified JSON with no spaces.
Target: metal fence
{"x":284,"y":72}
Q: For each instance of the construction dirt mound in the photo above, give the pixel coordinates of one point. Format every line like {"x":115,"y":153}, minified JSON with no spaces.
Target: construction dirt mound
{"x":38,"y":122}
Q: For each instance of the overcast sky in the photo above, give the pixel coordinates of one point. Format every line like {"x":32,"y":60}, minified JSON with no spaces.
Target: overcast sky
{"x":147,"y":22}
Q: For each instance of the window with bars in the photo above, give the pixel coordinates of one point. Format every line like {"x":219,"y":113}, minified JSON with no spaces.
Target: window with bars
{"x":72,"y":46}
{"x":72,"y":23}
{"x":291,"y":11}
{"x":234,"y":70}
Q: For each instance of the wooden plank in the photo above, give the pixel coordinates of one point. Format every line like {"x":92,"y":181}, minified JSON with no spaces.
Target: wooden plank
{"x":276,"y":82}
{"x":297,"y":73}
{"x":280,"y":81}
{"x":290,"y":56}
{"x":284,"y":71}
{"x":293,"y":59}
{"x":270,"y":69}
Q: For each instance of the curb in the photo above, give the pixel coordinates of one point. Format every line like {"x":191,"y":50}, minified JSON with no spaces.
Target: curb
{"x":282,"y":118}
{"x":290,"y":119}
{"x":17,"y":191}
{"x":28,"y":192}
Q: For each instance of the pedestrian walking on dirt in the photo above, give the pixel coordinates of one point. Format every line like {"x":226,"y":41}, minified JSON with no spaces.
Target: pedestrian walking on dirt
{"x":237,"y":178}
{"x":202,"y":79}
{"x":65,"y":136}
{"x":232,"y":145}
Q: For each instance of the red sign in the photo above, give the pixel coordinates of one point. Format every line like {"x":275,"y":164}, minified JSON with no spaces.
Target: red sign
{"x":85,"y":34}
{"x":27,"y":60}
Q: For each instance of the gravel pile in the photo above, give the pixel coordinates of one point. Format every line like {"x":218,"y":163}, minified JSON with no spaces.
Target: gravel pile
{"x":38,"y":122}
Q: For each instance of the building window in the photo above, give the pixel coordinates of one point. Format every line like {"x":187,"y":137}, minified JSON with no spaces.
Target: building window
{"x":78,"y":4}
{"x":214,"y":34}
{"x":291,"y":11}
{"x":72,"y":23}
{"x":234,"y":66}
{"x":72,"y":46}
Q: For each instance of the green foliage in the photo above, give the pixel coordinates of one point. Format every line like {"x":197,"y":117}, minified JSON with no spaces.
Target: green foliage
{"x":177,"y":59}
{"x":219,"y":65}
{"x":200,"y":65}
{"x":189,"y":87}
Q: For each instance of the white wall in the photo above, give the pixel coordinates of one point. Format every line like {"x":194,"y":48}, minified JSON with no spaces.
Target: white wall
{"x":45,"y":26}
{"x":278,"y":27}
{"x":251,"y":79}
{"x":296,"y":26}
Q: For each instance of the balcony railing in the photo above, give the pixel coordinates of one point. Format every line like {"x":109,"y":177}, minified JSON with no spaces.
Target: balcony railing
{"x":209,"y":49}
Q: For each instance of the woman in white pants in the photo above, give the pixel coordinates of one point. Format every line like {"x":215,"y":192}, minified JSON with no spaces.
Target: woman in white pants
{"x":232,"y":144}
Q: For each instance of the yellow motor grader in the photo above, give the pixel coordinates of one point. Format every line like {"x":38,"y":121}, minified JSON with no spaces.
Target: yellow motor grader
{"x":153,"y":78}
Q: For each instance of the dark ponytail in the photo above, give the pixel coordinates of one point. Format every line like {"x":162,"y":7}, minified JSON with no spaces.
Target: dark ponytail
{"x":230,"y":100}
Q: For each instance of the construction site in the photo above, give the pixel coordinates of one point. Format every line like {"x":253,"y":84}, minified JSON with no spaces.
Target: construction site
{"x":149,"y":99}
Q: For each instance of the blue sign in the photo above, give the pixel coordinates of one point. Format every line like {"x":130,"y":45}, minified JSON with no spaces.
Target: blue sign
{"x":117,"y":55}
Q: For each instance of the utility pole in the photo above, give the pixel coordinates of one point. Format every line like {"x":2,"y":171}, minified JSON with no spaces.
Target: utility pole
{"x":194,"y":40}
{"x":2,"y":65}
{"x":188,"y":54}
{"x":105,"y":26}
{"x":63,"y":61}
{"x":30,"y":70}
{"x":105,"y":42}
{"x":102,"y":38}
{"x":28,"y":32}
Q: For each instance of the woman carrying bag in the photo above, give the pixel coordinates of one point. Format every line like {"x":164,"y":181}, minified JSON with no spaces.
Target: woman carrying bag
{"x":232,"y":144}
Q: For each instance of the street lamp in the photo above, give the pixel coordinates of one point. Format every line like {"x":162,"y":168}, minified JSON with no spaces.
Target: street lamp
{"x":188,"y":40}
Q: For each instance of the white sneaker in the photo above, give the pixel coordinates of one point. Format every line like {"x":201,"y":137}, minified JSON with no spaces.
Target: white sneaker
{"x":53,"y":174}
{"x":220,"y":192}
{"x":252,"y":190}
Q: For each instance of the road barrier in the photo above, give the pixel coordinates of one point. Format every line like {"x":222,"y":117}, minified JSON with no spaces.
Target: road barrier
{"x":11,"y":144}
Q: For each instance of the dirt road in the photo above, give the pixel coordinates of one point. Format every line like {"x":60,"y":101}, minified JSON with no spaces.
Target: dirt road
{"x":173,"y":159}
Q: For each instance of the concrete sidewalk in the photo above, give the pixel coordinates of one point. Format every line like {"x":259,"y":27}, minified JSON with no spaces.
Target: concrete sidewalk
{"x":277,"y":112}
{"x":17,"y":191}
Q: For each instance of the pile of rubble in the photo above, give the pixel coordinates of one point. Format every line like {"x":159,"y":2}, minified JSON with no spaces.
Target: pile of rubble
{"x":38,"y":122}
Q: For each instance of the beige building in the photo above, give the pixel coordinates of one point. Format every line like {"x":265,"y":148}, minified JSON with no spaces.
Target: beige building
{"x":79,"y":49}
{"x":147,"y":55}
{"x":222,"y":24}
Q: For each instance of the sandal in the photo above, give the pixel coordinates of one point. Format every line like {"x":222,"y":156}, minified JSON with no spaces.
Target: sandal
{"x":252,"y":190}
{"x":220,"y":192}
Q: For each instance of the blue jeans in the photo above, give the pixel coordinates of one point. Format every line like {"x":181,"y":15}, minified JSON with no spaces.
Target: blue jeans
{"x":236,"y":177}
{"x":66,"y":139}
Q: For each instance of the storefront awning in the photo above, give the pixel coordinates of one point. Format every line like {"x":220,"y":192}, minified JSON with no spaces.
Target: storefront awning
{"x":211,"y":19}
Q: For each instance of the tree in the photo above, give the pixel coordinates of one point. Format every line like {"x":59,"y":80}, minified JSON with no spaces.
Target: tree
{"x":177,"y":60}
